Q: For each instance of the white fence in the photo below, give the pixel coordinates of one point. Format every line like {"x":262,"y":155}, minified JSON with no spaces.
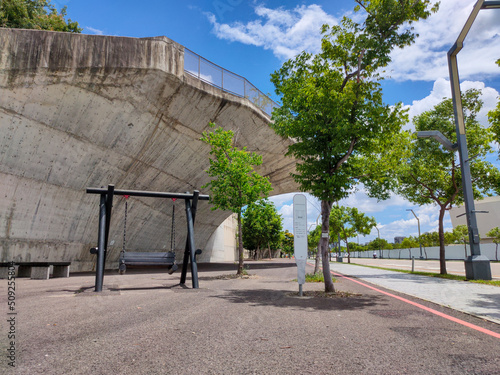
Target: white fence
{"x":453,"y":252}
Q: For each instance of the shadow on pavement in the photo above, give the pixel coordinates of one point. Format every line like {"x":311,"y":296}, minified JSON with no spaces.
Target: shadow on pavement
{"x":287,"y":299}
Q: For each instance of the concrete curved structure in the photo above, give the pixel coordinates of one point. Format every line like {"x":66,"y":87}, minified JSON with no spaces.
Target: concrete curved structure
{"x":80,"y":111}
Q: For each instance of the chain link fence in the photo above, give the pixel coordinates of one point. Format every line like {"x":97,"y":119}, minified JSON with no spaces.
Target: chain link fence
{"x":217,"y":76}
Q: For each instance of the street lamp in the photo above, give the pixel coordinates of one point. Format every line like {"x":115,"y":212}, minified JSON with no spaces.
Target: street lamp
{"x":477,"y":266}
{"x":419,"y":237}
{"x":379,"y":243}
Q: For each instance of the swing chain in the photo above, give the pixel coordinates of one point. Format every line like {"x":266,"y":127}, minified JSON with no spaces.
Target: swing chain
{"x":172,"y":237}
{"x":125,"y":227}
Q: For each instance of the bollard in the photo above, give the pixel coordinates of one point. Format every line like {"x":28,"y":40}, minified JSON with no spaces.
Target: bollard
{"x":412,"y":264}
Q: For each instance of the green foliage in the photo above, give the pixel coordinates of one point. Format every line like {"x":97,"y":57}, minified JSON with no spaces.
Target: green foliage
{"x":35,"y":14}
{"x":429,"y":173}
{"x":261,"y":226}
{"x":494,"y":233}
{"x":313,"y":239}
{"x":287,"y":243}
{"x":430,"y":239}
{"x":494,"y":118}
{"x":409,"y":243}
{"x":349,"y":222}
{"x":314,"y":278}
{"x":235,"y":184}
{"x":332,"y":106}
{"x":379,"y":244}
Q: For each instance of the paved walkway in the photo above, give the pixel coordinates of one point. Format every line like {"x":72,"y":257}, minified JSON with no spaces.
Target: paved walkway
{"x":476,"y":299}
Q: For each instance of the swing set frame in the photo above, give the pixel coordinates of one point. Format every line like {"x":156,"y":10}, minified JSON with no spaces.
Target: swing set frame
{"x":105,"y":208}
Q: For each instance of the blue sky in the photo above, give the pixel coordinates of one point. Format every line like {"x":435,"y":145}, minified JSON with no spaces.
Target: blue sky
{"x":253,"y":39}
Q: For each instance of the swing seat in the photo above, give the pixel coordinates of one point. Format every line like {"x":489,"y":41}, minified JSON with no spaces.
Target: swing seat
{"x":130,"y":258}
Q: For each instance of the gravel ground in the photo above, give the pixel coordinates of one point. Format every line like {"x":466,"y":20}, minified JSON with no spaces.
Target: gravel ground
{"x":146,"y":323}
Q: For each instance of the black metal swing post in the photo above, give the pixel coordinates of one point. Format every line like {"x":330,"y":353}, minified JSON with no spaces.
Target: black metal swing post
{"x":105,"y":206}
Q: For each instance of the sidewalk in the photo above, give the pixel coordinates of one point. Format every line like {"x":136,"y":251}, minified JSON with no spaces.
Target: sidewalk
{"x":479,"y":300}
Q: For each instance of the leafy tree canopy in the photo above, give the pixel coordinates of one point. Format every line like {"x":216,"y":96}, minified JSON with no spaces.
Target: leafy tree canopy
{"x":35,"y":14}
{"x":430,"y":173}
{"x":235,"y":183}
{"x":494,"y":117}
{"x":287,"y":243}
{"x":332,"y":105}
{"x":261,"y":226}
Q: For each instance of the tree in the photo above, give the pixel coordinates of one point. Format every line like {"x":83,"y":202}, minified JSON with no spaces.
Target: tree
{"x":261,"y":227}
{"x":287,"y":243}
{"x":461,"y":235}
{"x":235,"y":182}
{"x":332,"y":106}
{"x":35,"y":14}
{"x":349,"y":222}
{"x":495,"y":234}
{"x":430,"y":174}
{"x":494,"y":118}
{"x":378,"y":244}
{"x":409,"y":243}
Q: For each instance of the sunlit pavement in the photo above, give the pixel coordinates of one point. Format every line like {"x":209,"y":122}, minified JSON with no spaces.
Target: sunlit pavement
{"x":454,"y":267}
{"x":472,"y":298}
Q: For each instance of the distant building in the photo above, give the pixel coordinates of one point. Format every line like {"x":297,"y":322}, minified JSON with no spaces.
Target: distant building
{"x":485,"y":221}
{"x":398,"y":240}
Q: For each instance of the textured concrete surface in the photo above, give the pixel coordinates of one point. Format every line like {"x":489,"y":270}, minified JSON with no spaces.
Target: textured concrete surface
{"x":144,"y":323}
{"x":80,"y":111}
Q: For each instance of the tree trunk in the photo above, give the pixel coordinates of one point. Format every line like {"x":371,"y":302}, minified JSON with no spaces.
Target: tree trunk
{"x":442,"y":255}
{"x":318,"y":258}
{"x":240,"y":246}
{"x":326,"y":208}
{"x":348,"y":251}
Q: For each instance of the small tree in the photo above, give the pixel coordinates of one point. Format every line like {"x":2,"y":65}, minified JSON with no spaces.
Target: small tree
{"x":409,"y":243}
{"x":349,"y":222}
{"x":494,"y":118}
{"x":378,"y":244}
{"x":495,"y":235}
{"x":461,"y":235}
{"x":235,"y":182}
{"x":430,"y":174}
{"x":35,"y":14}
{"x":287,"y":243}
{"x":261,"y":227}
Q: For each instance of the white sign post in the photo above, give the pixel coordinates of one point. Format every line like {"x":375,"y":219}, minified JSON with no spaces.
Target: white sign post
{"x":300,"y":237}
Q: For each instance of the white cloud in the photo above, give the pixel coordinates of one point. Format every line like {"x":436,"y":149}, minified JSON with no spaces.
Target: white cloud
{"x":285,"y":32}
{"x":94,"y":31}
{"x":427,"y":58}
{"x":441,"y":90}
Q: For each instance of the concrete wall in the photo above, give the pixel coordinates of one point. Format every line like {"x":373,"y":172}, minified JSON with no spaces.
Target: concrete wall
{"x":80,"y":111}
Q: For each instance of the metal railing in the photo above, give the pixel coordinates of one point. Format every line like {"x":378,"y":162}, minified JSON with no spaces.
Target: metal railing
{"x":217,"y":76}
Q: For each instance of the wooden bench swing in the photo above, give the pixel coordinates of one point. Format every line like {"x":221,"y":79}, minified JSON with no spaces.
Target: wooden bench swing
{"x":146,"y":258}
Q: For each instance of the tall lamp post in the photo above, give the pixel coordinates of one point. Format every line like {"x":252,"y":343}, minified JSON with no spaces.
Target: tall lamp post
{"x":419,"y":237}
{"x":379,"y":243}
{"x":477,"y":266}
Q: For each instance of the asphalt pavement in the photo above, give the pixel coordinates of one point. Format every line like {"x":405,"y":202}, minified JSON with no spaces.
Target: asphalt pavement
{"x":144,"y":322}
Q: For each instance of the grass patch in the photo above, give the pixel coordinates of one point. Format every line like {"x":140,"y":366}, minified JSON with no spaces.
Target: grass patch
{"x":438,"y":275}
{"x":315,"y":278}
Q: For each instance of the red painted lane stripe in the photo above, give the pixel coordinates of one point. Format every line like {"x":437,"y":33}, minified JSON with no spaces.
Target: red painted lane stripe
{"x":438,"y":313}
